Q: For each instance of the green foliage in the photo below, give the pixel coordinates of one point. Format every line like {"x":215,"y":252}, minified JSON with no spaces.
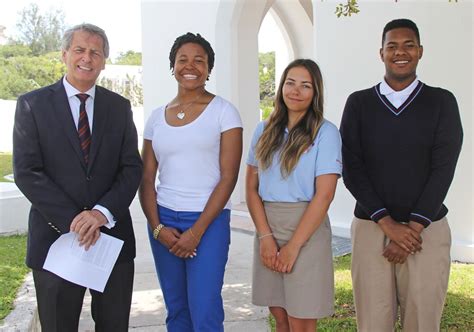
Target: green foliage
{"x":457,"y":314}
{"x":12,"y":50}
{"x":266,"y":107}
{"x":20,"y":74}
{"x":130,"y":58}
{"x":266,"y":74}
{"x":6,"y":166}
{"x":12,"y":270}
{"x":34,"y":60}
{"x":351,"y":7}
{"x":42,"y":33}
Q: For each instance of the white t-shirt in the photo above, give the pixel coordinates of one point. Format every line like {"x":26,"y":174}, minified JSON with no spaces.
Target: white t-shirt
{"x":188,"y":156}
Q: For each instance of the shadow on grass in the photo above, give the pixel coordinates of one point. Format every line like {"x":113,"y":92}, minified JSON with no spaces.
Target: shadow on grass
{"x":458,"y":310}
{"x":12,"y":270}
{"x":6,"y":166}
{"x":458,"y":314}
{"x":344,"y":315}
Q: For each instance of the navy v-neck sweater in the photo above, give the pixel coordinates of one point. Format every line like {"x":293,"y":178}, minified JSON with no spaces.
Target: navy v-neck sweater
{"x":400,"y":161}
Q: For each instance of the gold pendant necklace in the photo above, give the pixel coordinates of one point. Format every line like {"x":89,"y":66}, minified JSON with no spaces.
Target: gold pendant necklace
{"x":181,"y":114}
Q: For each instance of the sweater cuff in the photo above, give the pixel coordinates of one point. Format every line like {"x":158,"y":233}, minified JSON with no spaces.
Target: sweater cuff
{"x":420,"y":219}
{"x":379,"y":214}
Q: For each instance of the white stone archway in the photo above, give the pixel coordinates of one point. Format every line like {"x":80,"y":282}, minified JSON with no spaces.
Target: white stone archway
{"x":237,"y":29}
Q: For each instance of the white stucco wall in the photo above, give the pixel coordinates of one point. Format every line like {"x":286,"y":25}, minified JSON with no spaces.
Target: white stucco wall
{"x":162,"y":22}
{"x":7,"y":109}
{"x":14,"y":210}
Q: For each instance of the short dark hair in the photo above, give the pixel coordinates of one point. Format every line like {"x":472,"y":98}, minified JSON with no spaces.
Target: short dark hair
{"x":401,"y":23}
{"x":195,"y":39}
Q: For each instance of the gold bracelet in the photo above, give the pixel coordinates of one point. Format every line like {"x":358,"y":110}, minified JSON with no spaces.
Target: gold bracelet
{"x":157,"y":230}
{"x":192,"y":234}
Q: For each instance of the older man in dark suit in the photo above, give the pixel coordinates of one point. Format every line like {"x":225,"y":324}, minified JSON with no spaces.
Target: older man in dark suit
{"x":76,"y":159}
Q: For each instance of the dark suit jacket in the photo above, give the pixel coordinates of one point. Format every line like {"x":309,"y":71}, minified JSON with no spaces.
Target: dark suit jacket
{"x":49,"y":166}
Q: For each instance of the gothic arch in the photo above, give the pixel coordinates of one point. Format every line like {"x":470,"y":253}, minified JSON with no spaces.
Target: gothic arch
{"x":237,"y":27}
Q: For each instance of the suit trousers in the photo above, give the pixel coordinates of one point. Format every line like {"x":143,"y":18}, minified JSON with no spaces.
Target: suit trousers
{"x":192,"y":286}
{"x":417,"y":286}
{"x":60,"y":301}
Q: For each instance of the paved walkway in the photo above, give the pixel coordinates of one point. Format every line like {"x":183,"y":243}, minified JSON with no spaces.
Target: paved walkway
{"x":148,"y":312}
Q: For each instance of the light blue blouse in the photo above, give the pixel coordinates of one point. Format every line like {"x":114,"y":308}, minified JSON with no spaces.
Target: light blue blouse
{"x":323,"y":157}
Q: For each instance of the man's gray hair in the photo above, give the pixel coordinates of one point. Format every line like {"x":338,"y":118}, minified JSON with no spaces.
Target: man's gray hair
{"x":87,"y":27}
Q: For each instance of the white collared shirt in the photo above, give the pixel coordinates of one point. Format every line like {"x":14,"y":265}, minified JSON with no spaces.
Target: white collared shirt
{"x":74,"y":105}
{"x":397,"y":98}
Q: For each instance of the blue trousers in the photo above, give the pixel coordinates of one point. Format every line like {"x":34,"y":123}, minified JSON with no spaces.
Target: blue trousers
{"x":192,"y":286}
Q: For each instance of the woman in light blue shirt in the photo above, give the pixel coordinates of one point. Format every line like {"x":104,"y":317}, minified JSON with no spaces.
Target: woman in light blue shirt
{"x":292,"y":169}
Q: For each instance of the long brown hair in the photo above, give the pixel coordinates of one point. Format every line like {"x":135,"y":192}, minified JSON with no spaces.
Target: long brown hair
{"x":302,"y":135}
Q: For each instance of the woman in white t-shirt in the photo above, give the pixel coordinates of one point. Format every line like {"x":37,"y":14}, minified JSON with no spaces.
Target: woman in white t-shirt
{"x":195,"y":144}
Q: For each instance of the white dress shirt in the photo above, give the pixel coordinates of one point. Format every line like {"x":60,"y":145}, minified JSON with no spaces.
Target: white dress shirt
{"x":397,"y":98}
{"x":74,"y":104}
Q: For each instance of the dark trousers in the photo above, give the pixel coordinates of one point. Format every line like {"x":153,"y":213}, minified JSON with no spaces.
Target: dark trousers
{"x":60,"y":301}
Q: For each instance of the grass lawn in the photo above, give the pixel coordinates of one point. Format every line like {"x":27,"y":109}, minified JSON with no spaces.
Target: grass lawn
{"x":6,"y":166}
{"x":458,"y":312}
{"x":12,"y":270}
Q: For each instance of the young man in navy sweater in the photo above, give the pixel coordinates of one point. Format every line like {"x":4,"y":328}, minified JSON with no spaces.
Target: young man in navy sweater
{"x":401,"y":142}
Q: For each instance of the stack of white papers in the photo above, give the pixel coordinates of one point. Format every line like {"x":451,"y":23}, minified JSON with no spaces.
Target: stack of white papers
{"x":89,"y":268}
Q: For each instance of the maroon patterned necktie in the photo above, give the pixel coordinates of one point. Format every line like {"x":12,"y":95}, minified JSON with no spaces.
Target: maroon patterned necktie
{"x":83,"y":127}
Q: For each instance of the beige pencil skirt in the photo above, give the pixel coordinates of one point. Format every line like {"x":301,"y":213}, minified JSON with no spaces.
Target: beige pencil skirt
{"x":308,"y":291}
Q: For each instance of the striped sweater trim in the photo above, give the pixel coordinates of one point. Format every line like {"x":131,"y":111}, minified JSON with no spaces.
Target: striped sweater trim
{"x":379,"y":214}
{"x":420,"y":219}
{"x":399,"y":110}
